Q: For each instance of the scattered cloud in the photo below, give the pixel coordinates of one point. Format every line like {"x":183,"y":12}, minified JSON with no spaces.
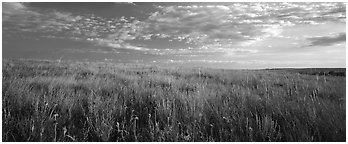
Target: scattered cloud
{"x":222,"y":34}
{"x":229,"y":26}
{"x":214,"y":28}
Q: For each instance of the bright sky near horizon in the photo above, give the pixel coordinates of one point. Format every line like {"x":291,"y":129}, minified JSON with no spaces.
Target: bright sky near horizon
{"x":219,"y":35}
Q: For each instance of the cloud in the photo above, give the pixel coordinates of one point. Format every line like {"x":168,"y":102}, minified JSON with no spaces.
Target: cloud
{"x":327,"y":40}
{"x":52,"y":23}
{"x":234,"y":24}
{"x":66,"y":16}
{"x":12,"y":8}
{"x":20,"y":17}
{"x":128,"y":3}
{"x":17,"y":12}
{"x":116,"y":45}
{"x":212,"y":27}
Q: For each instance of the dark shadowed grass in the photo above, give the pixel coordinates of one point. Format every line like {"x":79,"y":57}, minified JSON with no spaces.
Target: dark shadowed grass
{"x":50,"y":101}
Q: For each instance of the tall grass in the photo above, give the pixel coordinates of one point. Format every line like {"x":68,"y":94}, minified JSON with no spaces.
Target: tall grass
{"x":49,"y":101}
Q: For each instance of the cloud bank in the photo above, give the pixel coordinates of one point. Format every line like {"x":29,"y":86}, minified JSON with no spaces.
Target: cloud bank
{"x":327,"y":40}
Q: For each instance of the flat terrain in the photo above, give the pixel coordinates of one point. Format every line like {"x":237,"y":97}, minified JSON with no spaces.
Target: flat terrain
{"x":53,"y":101}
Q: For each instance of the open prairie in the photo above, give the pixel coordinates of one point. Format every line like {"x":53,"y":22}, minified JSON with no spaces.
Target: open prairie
{"x":59,"y":101}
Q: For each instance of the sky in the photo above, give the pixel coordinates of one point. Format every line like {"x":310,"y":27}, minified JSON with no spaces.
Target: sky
{"x":231,"y":35}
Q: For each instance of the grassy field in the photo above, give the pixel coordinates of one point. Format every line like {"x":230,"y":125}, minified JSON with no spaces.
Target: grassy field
{"x":51,"y":101}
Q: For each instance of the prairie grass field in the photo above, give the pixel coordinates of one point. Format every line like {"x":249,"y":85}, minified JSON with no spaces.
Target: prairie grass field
{"x":89,"y":101}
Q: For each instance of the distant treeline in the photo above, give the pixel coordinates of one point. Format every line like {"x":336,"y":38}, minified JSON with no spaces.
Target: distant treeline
{"x":316,"y":71}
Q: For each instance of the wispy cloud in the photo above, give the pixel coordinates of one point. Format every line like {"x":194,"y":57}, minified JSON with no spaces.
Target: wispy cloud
{"x":20,"y":17}
{"x":115,"y":44}
{"x":11,"y":9}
